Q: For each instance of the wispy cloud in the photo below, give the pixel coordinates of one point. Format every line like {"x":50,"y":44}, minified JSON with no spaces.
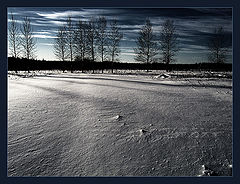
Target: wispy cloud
{"x":128,"y":54}
{"x":56,"y":15}
{"x":46,"y":44}
{"x":44,"y":36}
{"x":41,"y":32}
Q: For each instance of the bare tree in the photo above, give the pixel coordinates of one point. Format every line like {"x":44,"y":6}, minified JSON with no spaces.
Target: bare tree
{"x":114,"y":38}
{"x":60,"y":45}
{"x":70,"y":37}
{"x":102,"y":38}
{"x":168,"y":41}
{"x":80,"y":40}
{"x":217,"y":46}
{"x":147,"y":48}
{"x":14,"y":38}
{"x":91,"y":39}
{"x":28,"y":42}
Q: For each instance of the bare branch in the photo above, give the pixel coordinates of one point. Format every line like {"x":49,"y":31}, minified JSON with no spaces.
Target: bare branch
{"x":91,"y":39}
{"x":14,"y":38}
{"x":216,"y":45}
{"x":168,"y":41}
{"x":60,"y":46}
{"x":80,"y":40}
{"x":28,"y":42}
{"x":114,"y":39}
{"x":102,"y":37}
{"x":70,"y":37}
{"x":147,"y":48}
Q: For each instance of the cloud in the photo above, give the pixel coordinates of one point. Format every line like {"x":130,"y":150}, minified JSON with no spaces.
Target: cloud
{"x":44,"y":36}
{"x":46,"y":44}
{"x":56,"y":15}
{"x":127,"y":54}
{"x":193,"y":50}
{"x":41,"y":32}
{"x":58,"y":23}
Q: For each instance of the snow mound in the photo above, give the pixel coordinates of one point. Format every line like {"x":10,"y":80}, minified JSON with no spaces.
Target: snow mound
{"x":117,"y":117}
{"x":163,"y":76}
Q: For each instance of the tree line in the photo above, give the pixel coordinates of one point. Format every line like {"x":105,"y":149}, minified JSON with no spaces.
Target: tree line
{"x":97,"y":39}
{"x":23,"y":64}
{"x":88,"y":40}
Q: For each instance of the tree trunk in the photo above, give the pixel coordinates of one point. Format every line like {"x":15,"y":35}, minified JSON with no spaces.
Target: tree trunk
{"x":112,"y":61}
{"x":102,"y":59}
{"x":112,"y":67}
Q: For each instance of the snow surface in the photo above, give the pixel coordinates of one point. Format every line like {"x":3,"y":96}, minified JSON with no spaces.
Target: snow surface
{"x":74,"y":124}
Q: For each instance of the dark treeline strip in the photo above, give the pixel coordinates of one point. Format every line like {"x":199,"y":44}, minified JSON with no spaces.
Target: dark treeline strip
{"x":17,"y":64}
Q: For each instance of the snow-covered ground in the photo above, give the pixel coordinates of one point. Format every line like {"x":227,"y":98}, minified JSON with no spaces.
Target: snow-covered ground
{"x":80,"y":124}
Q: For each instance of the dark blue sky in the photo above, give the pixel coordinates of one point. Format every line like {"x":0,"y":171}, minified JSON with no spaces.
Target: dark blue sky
{"x":194,"y":26}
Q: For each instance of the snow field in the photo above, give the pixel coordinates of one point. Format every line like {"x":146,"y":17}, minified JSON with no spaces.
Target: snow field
{"x":109,"y":125}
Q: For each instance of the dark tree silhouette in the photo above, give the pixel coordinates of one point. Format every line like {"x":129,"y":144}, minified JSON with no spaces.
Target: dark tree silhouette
{"x":114,"y":39}
{"x":147,"y":48}
{"x":217,"y":46}
{"x":91,"y":39}
{"x":70,"y":37}
{"x":14,"y":38}
{"x":80,"y":40}
{"x":28,"y":42}
{"x":102,"y":38}
{"x":60,"y":45}
{"x":168,"y":42}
